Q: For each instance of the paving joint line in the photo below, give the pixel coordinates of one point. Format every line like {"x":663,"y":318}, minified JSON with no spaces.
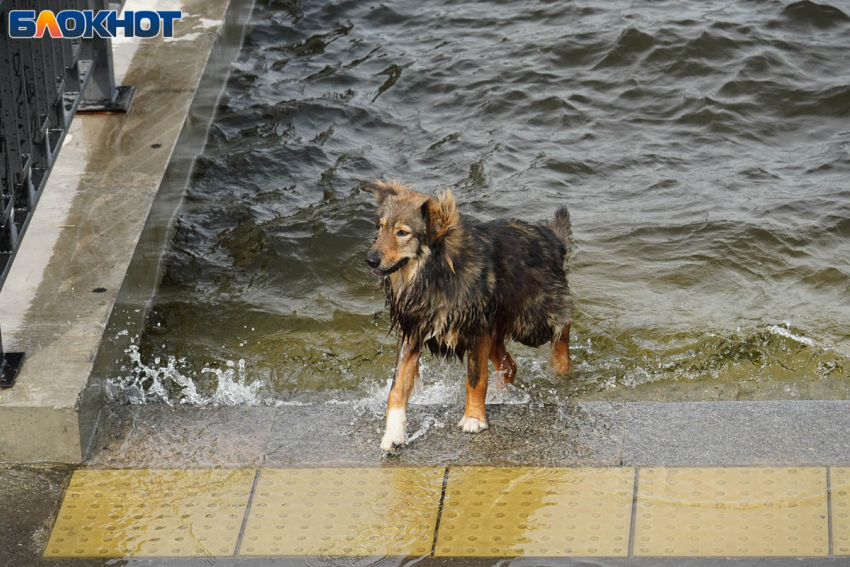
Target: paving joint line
{"x":247,"y":512}
{"x":633,"y":521}
{"x":440,"y":511}
{"x":829,"y":509}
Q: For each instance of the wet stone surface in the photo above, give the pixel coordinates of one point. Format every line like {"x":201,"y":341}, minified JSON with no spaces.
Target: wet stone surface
{"x":563,"y":435}
{"x":737,"y":433}
{"x":345,"y":434}
{"x":155,"y":436}
{"x":567,"y":434}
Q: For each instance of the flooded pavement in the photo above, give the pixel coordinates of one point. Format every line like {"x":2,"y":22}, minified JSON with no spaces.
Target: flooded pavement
{"x":702,"y":149}
{"x":551,"y":435}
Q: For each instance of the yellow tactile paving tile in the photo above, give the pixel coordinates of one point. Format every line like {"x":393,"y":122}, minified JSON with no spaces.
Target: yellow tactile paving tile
{"x":839,"y":481}
{"x":543,"y":512}
{"x":151,"y":513}
{"x":344,"y":512}
{"x":759,"y":511}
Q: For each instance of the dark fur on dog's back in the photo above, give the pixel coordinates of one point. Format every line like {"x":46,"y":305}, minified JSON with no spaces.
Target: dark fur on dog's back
{"x":532,"y":299}
{"x":506,"y":278}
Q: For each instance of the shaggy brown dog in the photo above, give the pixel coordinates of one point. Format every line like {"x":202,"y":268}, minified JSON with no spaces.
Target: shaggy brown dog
{"x":465,"y":289}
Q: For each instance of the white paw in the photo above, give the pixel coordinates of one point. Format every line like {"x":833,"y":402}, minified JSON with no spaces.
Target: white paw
{"x":472,"y":425}
{"x":395,"y":435}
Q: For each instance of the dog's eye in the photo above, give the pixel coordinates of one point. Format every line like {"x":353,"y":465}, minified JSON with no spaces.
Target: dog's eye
{"x":402,"y":233}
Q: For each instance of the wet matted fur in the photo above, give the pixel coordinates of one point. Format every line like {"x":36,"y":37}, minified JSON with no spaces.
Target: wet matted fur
{"x":464,"y":289}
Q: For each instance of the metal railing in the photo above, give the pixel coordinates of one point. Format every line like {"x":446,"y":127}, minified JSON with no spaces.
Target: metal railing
{"x":43,"y":83}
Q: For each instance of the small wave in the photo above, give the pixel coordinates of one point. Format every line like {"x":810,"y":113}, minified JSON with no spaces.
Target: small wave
{"x":759,"y":362}
{"x":627,"y":49}
{"x":782,"y":331}
{"x":811,"y":13}
{"x":635,"y":40}
{"x":712,"y":46}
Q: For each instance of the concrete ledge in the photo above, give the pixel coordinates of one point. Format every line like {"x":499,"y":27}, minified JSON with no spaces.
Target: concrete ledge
{"x":90,"y":219}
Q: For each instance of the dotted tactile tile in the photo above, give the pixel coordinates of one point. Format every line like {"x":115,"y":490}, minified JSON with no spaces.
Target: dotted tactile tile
{"x":539,"y":512}
{"x":731,"y":512}
{"x":344,"y":512}
{"x":839,"y":480}
{"x":148,"y":513}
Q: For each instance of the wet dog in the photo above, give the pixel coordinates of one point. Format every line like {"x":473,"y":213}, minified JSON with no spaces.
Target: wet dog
{"x":464,"y":289}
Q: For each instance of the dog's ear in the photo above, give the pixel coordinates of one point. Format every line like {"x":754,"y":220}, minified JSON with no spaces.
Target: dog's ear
{"x":383,"y":189}
{"x":440,"y":215}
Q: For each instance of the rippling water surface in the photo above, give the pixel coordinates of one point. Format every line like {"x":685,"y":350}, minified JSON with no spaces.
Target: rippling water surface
{"x":702,"y":148}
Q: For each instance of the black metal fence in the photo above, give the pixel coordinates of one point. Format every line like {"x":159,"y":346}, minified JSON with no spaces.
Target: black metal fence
{"x":43,"y":83}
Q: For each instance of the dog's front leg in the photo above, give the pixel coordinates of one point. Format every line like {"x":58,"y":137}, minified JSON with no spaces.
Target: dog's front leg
{"x":474,"y":415}
{"x":407,"y":367}
{"x":559,"y":356}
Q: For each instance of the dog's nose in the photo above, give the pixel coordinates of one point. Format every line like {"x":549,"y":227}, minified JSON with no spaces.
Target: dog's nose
{"x":372,"y":259}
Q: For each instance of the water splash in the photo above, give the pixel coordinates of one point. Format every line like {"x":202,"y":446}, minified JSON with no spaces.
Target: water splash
{"x":783,"y":331}
{"x":233,"y":386}
{"x":428,"y":421}
{"x":771,"y":361}
{"x":437,"y":386}
{"x":166,"y":383}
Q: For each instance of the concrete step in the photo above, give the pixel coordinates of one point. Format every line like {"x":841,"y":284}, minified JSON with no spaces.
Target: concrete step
{"x":89,"y":262}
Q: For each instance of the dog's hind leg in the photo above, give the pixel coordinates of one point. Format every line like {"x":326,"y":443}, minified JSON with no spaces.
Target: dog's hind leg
{"x":474,"y":415}
{"x":559,"y":357}
{"x":502,"y":361}
{"x":407,"y":368}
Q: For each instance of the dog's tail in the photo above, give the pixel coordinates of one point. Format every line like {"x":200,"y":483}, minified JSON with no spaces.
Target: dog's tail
{"x":563,"y":228}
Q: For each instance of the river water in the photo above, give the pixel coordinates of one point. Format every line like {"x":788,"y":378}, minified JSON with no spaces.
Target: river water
{"x":703,"y":149}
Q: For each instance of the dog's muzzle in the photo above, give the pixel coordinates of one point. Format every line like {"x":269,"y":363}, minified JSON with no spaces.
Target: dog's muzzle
{"x":372,"y":259}
{"x":376,"y":266}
